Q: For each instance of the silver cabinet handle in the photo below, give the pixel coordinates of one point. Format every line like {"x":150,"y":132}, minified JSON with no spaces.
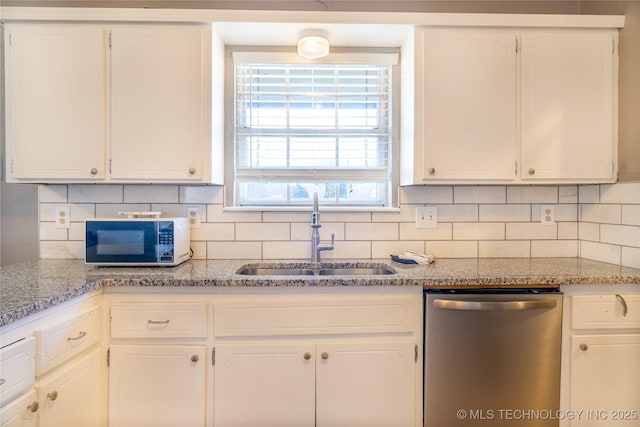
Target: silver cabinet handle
{"x":158,"y":322}
{"x":81,"y":335}
{"x":2,"y":381}
{"x":625,"y":309}
{"x":195,"y":358}
{"x":52,"y":396}
{"x":34,"y":406}
{"x":324,"y":355}
{"x":94,"y":171}
{"x":307,"y":356}
{"x":448,"y":304}
{"x":584,"y":347}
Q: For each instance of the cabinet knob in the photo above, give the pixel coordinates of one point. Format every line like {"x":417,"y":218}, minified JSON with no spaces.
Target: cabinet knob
{"x":432,"y":171}
{"x":52,"y":395}
{"x":195,"y":358}
{"x":584,"y":347}
{"x":325,"y":355}
{"x":532,"y":171}
{"x":192,"y":171}
{"x":94,"y":171}
{"x":307,"y":356}
{"x":34,"y":406}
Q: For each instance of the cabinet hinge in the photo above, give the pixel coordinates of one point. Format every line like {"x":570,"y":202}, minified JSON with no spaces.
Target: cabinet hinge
{"x":415,"y":356}
{"x":9,"y":39}
{"x":613,"y":45}
{"x":516,"y":169}
{"x":11,"y":167}
{"x":109,"y":166}
{"x":109,"y":39}
{"x":108,"y":357}
{"x":517,"y":45}
{"x":213,"y":357}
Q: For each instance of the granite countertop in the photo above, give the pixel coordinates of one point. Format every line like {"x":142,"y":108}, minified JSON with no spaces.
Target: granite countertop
{"x":28,"y":288}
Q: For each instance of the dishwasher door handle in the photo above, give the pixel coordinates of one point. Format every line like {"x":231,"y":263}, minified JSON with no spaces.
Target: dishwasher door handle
{"x":539,"y":304}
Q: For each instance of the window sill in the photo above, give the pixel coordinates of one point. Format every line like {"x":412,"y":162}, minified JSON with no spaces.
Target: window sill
{"x":309,"y":209}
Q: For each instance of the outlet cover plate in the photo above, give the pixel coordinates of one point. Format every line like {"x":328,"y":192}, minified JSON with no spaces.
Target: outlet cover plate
{"x":62,"y":217}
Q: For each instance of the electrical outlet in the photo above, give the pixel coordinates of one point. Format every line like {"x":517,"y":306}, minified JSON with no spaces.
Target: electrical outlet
{"x":193,"y":213}
{"x":63,"y":218}
{"x":548,"y":215}
{"x":427,"y":217}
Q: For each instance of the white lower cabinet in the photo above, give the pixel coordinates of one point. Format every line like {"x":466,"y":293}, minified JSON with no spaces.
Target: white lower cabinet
{"x":157,"y":385}
{"x":601,"y":357}
{"x":22,"y":412}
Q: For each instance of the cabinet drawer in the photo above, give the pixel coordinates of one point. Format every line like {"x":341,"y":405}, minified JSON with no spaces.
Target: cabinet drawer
{"x":614,"y":311}
{"x":172,"y":320}
{"x":64,"y":340}
{"x":317,"y":315}
{"x":18,"y":368}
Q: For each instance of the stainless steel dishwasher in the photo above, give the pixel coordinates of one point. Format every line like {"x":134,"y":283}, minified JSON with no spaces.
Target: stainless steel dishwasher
{"x":492,"y":358}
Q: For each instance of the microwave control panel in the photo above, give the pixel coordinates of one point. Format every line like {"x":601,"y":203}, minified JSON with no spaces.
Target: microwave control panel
{"x":165,"y":241}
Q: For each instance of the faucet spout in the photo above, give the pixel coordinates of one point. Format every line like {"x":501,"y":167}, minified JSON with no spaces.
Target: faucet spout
{"x":316,"y":247}
{"x":315,"y":215}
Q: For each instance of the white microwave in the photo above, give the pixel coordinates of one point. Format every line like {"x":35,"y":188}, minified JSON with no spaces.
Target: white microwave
{"x":137,"y":241}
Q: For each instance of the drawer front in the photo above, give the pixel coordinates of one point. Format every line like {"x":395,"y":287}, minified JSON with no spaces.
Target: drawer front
{"x":614,"y":311}
{"x":64,"y":340}
{"x":171,"y":320}
{"x":262,"y":316}
{"x":18,"y":368}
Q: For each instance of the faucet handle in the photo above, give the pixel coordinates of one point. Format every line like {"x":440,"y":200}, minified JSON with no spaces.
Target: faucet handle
{"x":333,"y":238}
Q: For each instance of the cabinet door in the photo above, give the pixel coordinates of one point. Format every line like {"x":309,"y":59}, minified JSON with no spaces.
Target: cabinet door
{"x":468,"y":103}
{"x":56,"y":103}
{"x":604,"y":377}
{"x":160,"y":99}
{"x":72,"y":397}
{"x":22,"y":412}
{"x":568,"y":105}
{"x":157,"y":385}
{"x":264,"y":384}
{"x":366,"y":384}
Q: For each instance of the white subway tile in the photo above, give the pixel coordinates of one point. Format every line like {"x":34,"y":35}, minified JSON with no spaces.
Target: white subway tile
{"x":626,"y":192}
{"x":213,"y":231}
{"x":504,"y":249}
{"x":554,"y":248}
{"x":286,"y":250}
{"x":479,"y":194}
{"x":631,"y":257}
{"x":216,"y":213}
{"x":95,"y":193}
{"x":61,"y":249}
{"x":421,"y":194}
{"x":290,"y":217}
{"x":512,"y":213}
{"x":343,"y":216}
{"x":452,"y":249}
{"x":386,"y":249}
{"x":600,"y":252}
{"x":563,"y":212}
{"x":442,"y":232}
{"x":151,"y":193}
{"x":52,"y":193}
{"x":568,"y":230}
{"x":457,"y":213}
{"x":82,"y":211}
{"x":407,"y":213}
{"x":348,"y":250}
{"x":589,"y":231}
{"x":371,"y":231}
{"x":568,"y":194}
{"x":48,"y":231}
{"x":262,"y":231}
{"x":626,"y":235}
{"x":478,"y":231}
{"x":606,"y":214}
{"x":113,"y":210}
{"x":172,"y":210}
{"x":199,"y":250}
{"x":201,"y":194}
{"x":301,"y":231}
{"x":547,"y":194}
{"x":631,"y":214}
{"x":531,"y":231}
{"x":589,"y":194}
{"x":77,"y":231}
{"x":234,"y":250}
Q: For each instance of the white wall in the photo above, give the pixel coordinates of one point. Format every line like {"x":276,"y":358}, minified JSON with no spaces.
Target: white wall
{"x":596,"y":221}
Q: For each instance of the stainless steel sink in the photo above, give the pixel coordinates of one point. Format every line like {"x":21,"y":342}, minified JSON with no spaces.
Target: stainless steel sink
{"x":324,"y":269}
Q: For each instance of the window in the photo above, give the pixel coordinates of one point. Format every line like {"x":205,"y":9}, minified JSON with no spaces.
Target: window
{"x":322,"y":127}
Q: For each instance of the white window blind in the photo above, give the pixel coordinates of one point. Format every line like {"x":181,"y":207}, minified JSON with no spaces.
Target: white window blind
{"x":304,"y":128}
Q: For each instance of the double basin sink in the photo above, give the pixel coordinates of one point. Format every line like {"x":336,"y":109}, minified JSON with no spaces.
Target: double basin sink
{"x":315,"y":269}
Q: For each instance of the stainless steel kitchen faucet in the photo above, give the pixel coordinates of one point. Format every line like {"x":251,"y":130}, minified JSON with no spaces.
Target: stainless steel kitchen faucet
{"x":316,"y":247}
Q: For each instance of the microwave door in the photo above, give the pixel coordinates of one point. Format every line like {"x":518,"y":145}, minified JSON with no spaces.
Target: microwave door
{"x":121,"y":242}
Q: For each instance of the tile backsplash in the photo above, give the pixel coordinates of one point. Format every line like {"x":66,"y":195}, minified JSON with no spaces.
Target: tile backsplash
{"x":600,"y":222}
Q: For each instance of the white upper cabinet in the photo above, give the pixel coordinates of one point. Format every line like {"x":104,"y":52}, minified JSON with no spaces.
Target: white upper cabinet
{"x":467,"y":116}
{"x":56,"y":101}
{"x":160,"y":101}
{"x":568,"y":105}
{"x":503,"y":105}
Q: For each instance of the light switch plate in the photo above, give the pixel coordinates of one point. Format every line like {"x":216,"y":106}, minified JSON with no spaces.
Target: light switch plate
{"x":427,"y":217}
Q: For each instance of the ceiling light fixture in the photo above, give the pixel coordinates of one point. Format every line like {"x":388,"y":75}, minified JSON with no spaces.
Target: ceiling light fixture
{"x":313,"y":44}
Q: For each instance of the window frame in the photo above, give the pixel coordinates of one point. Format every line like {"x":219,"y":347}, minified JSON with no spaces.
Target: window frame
{"x":288,"y":54}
